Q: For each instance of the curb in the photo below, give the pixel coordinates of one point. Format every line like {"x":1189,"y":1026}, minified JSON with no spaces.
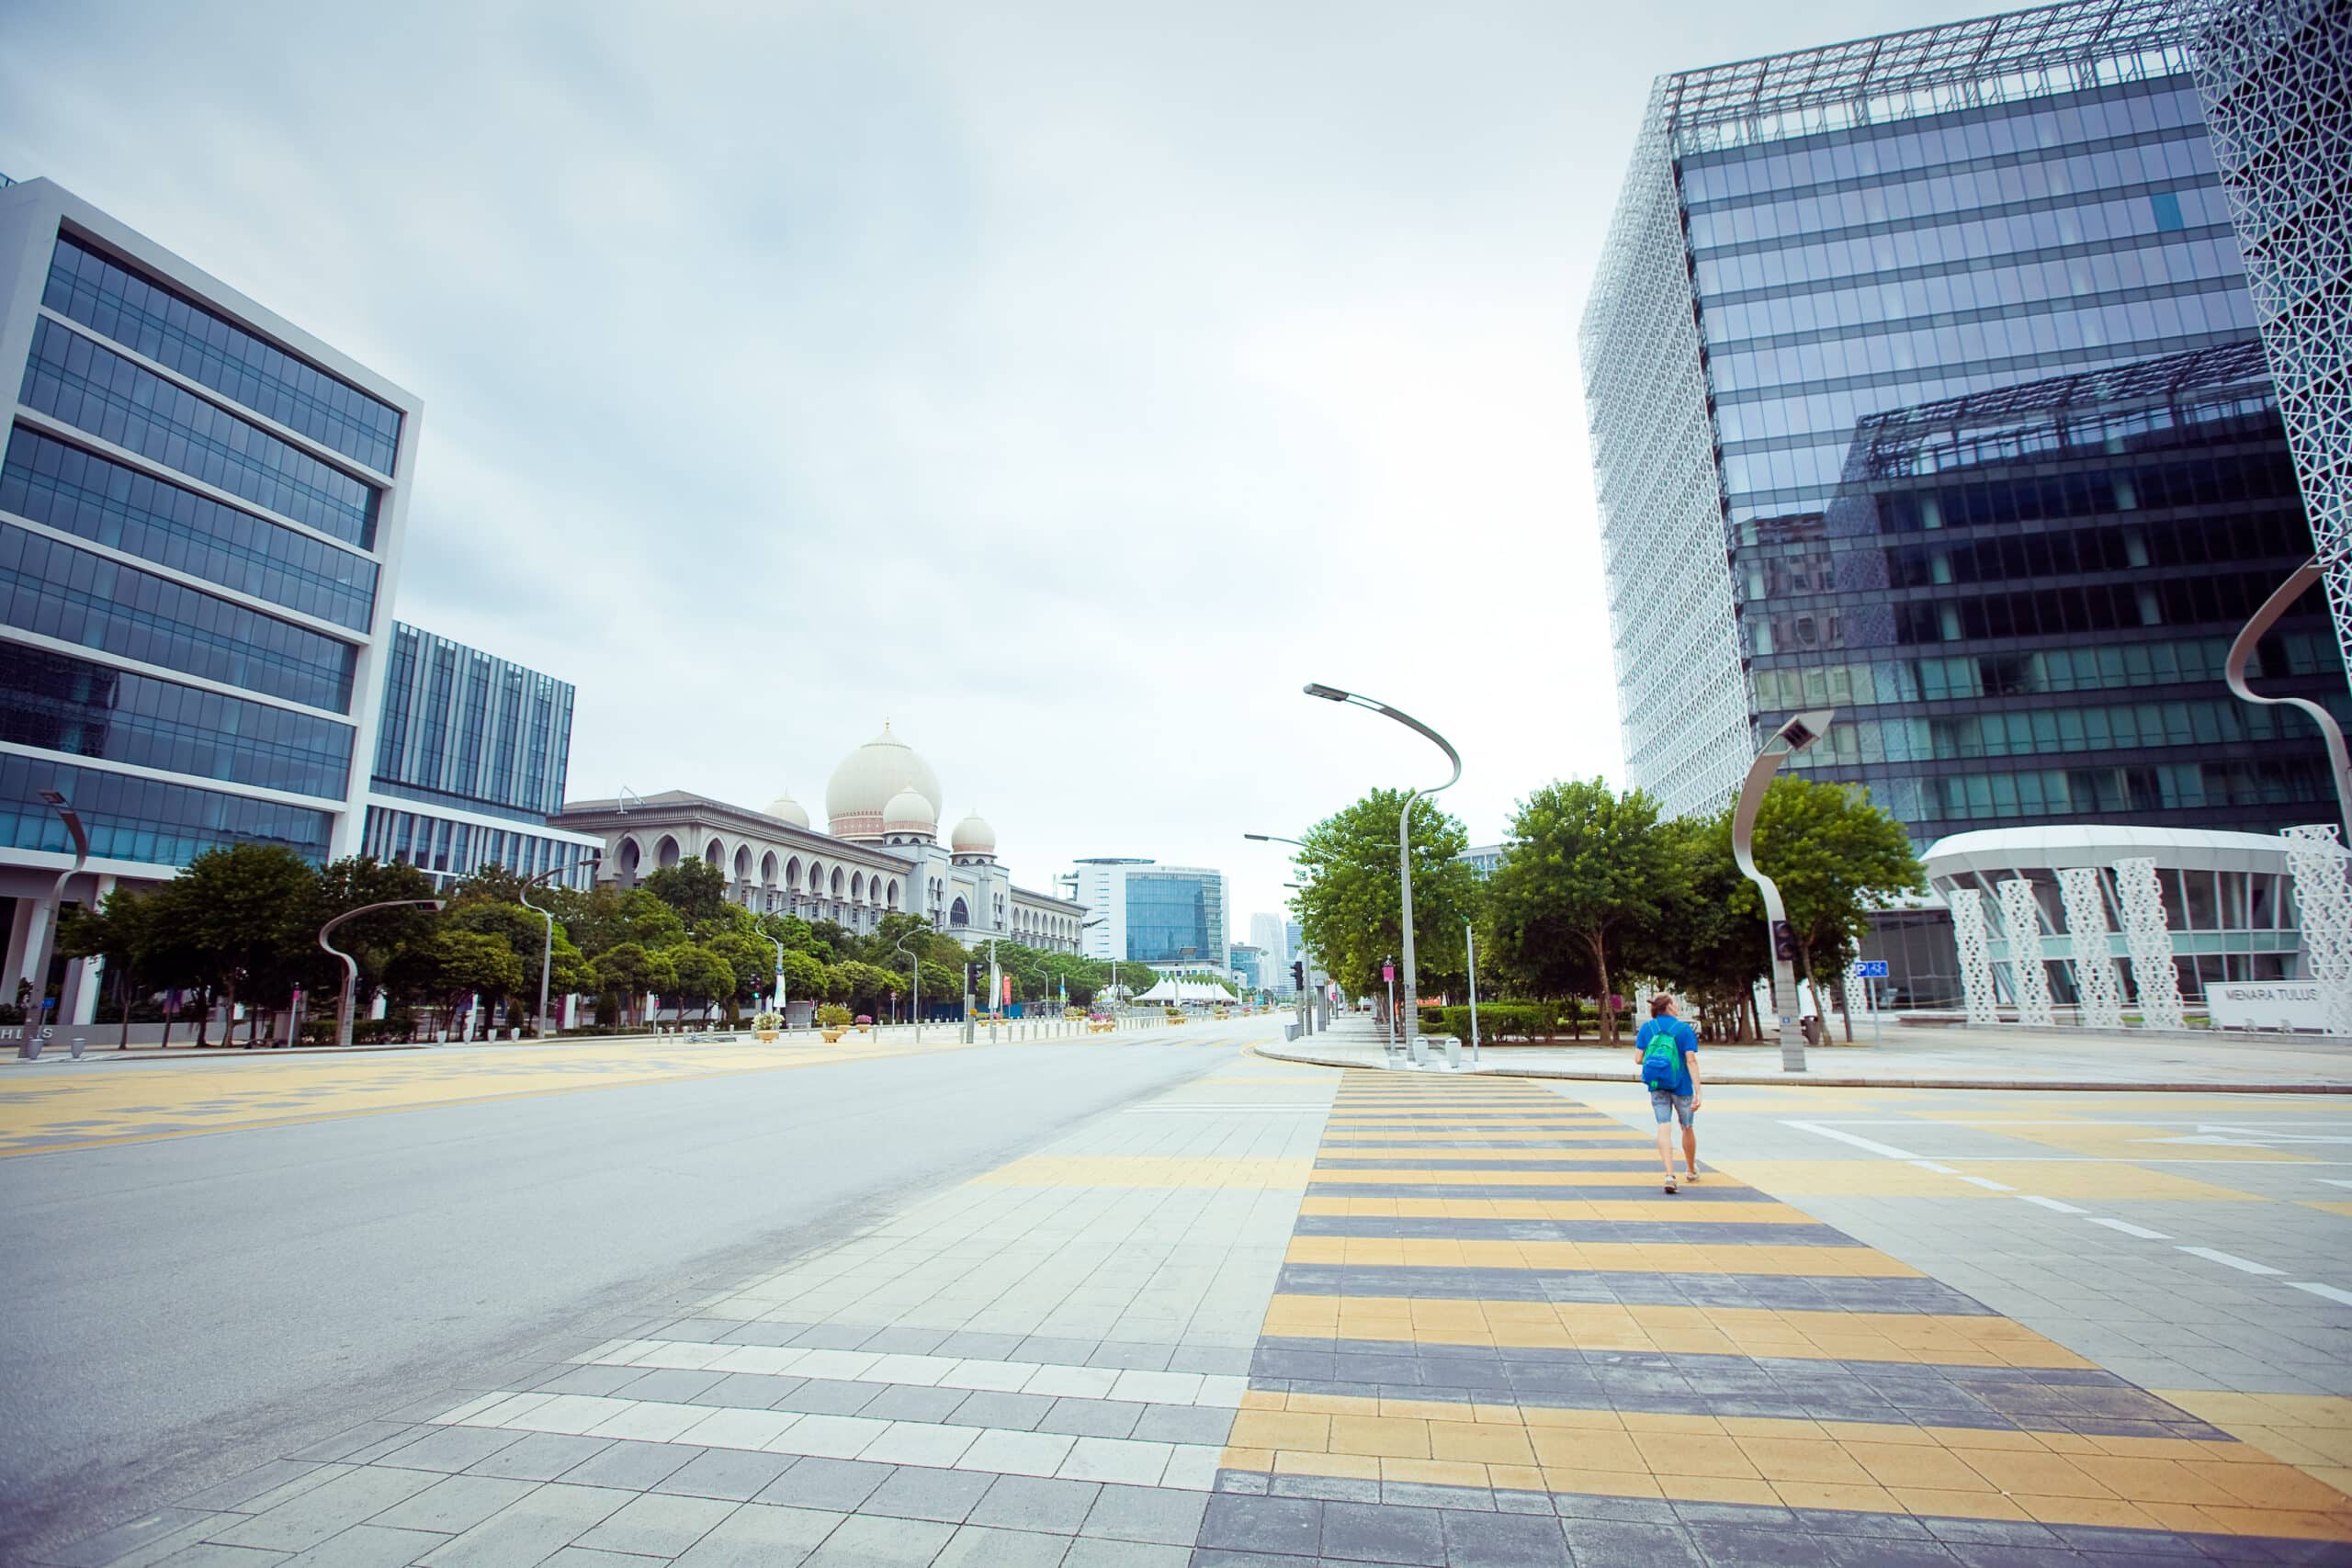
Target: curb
{"x":1753,"y":1080}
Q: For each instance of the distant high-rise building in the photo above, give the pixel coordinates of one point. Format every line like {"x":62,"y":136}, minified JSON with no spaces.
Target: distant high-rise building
{"x":202,"y":507}
{"x":1270,"y":936}
{"x":470,"y":759}
{"x":1250,"y":971}
{"x":1484,"y":859}
{"x":1924,"y":384}
{"x":1143,"y":912}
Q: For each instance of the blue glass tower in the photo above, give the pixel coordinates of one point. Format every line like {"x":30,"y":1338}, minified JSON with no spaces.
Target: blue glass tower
{"x":1923,"y":381}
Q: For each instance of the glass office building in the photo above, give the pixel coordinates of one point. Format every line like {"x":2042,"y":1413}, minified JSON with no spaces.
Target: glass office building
{"x":471,"y":754}
{"x":1143,"y":912}
{"x":199,"y":504}
{"x":1922,"y":382}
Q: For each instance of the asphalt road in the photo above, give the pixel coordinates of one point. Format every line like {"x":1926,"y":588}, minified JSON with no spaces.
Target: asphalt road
{"x":177,"y":1312}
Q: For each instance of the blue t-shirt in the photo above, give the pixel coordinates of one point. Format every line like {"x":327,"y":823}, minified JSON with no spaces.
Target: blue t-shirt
{"x":1686,"y":1039}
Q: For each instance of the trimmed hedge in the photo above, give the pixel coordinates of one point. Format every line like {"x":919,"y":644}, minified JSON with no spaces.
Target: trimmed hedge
{"x":1534,"y":1020}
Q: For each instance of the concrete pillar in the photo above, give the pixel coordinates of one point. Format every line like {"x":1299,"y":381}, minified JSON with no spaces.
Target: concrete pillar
{"x":20,"y":921}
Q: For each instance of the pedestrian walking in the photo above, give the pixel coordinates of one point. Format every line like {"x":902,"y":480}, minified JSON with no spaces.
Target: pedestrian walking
{"x":1668,"y":1052}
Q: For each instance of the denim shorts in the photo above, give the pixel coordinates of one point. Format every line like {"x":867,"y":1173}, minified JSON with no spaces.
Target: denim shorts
{"x":1668,"y":1104}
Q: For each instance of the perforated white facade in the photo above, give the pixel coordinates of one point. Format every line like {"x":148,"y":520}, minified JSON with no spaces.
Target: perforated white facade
{"x":2277,"y":79}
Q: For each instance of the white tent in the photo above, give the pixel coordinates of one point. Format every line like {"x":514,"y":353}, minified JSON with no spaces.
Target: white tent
{"x":1177,"y":991}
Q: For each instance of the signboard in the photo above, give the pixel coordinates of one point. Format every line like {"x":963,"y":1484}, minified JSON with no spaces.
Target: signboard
{"x":1869,"y":970}
{"x":2265,"y":1004}
{"x":1388,"y":972}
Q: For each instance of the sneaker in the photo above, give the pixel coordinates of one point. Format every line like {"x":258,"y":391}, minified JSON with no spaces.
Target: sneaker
{"x":1692,"y":1177}
{"x":1670,"y":1181}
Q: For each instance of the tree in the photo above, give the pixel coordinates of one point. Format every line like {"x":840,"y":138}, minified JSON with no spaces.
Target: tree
{"x":453,"y":965}
{"x":1705,"y":940}
{"x":695,"y":888}
{"x":605,"y":918}
{"x":1350,"y":908}
{"x":375,"y":940}
{"x":627,"y":973}
{"x":1588,"y":870}
{"x":804,"y":976}
{"x":701,"y":978}
{"x":525,"y":933}
{"x":120,"y":931}
{"x":240,"y":911}
{"x":1836,"y":856}
{"x":751,"y":958}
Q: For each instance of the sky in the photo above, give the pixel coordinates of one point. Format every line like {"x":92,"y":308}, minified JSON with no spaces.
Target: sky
{"x":1066,"y":383}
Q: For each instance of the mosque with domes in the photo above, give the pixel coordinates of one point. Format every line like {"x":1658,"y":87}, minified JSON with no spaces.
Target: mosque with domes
{"x":879,"y":852}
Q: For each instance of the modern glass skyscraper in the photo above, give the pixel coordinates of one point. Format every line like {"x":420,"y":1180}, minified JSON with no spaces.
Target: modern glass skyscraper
{"x":1920,"y":380}
{"x":1139,"y":911}
{"x":200,"y":509}
{"x":470,"y":760}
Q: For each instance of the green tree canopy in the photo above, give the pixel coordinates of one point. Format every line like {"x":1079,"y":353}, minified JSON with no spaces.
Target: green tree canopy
{"x":1836,"y":857}
{"x":1350,"y":908}
{"x":1588,"y":871}
{"x":700,"y":977}
{"x":695,"y":888}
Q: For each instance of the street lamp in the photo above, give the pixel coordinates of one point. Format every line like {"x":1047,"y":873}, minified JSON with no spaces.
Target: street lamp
{"x":1787,"y":741}
{"x":546,"y":949}
{"x":351,"y":964}
{"x":917,"y":964}
{"x":1404,"y":830}
{"x":39,"y":971}
{"x":2241,"y":650}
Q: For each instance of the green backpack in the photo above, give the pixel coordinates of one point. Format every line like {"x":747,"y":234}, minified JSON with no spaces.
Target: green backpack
{"x":1661,"y":1057}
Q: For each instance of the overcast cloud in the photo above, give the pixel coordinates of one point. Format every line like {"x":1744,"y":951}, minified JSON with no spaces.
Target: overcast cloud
{"x":1068,"y":383}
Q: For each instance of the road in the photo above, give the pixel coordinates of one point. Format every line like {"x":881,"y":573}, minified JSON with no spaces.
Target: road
{"x":178,"y":1308}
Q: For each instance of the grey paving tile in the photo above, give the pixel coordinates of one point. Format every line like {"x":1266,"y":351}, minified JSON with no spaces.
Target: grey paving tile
{"x":838,"y":1485}
{"x":1369,"y":1533}
{"x":834,"y":1336}
{"x":1757,"y":1548}
{"x":328,"y":1510}
{"x":588,"y":1557}
{"x":981,"y":1347}
{"x":541,"y":1456}
{"x":1623,"y":1544}
{"x":1217,"y":1359}
{"x":736,"y":1474}
{"x":1091,"y":1418}
{"x":759,"y":1536}
{"x":748,"y":1390}
{"x":454,"y":1503}
{"x":906,"y":1402}
{"x":1126,"y":1355}
{"x":1148,"y":1514}
{"x":534,"y":1528}
{"x":698,"y":1330}
{"x":588,"y":1380}
{"x":917,"y":1492}
{"x":1503,"y":1541}
{"x":829,"y":1396}
{"x":1329,"y":1488}
{"x":352,"y":1440}
{"x":658,"y":1526}
{"x":671,"y":1385}
{"x":1056,"y":1352}
{"x":256,"y":1482}
{"x":1034,"y":1503}
{"x":906,"y":1342}
{"x":863,"y":1541}
{"x":1017,"y":1412}
{"x":451,"y":1449}
{"x":1291,"y":1525}
{"x":632,"y":1466}
{"x":1095,"y":1551}
{"x":167,"y":1528}
{"x":1183,"y":1423}
{"x":974,"y":1546}
{"x":367,"y":1546}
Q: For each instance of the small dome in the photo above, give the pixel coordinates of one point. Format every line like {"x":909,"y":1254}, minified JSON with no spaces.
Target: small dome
{"x":784,"y":809}
{"x":974,"y":836}
{"x":910,"y":813}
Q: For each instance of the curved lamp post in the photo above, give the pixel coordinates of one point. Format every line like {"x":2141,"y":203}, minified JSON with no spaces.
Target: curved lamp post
{"x":351,"y":964}
{"x":1305,"y":1009}
{"x":546,"y":949}
{"x":2241,"y":650}
{"x":899,"y":947}
{"x":38,"y":962}
{"x":1404,"y":830}
{"x":1787,"y":740}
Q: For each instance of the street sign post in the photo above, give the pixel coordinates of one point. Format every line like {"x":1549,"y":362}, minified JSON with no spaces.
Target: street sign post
{"x":1870,"y":972}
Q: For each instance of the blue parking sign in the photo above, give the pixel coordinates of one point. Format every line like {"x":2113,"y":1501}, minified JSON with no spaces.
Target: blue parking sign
{"x":1869,"y":970}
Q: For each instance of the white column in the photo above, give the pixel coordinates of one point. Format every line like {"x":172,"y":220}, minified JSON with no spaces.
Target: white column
{"x":2029,"y":974}
{"x":21,"y":925}
{"x":2324,"y":908}
{"x":2086,"y":927}
{"x":2147,"y":936}
{"x":1976,"y":964}
{"x":84,"y":977}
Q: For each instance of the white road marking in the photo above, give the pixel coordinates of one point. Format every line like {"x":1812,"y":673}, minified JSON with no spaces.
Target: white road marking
{"x":2316,"y":1288}
{"x":1889,"y":1150}
{"x":2051,"y":1204}
{"x":2229,"y":1259}
{"x":1988,"y":1183}
{"x":2128,"y":1228}
{"x":2335,"y":1181}
{"x":1939,"y":1169}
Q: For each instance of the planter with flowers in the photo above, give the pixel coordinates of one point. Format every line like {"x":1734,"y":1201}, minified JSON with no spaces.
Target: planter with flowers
{"x":833,"y":1020}
{"x":767,"y":1026}
{"x":865,"y":1024}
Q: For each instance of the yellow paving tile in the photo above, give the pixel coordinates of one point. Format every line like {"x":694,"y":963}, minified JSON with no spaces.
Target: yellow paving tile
{"x":1852,"y":1498}
{"x":1917,"y":1465}
{"x":1488,"y":1442}
{"x":1353,"y":1467}
{"x":1271,"y":1430}
{"x":1602,"y":1482}
{"x":1799,"y":1459}
{"x":1386,"y":1437}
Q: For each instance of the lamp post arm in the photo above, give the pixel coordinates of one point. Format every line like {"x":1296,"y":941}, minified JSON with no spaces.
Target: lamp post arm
{"x":2274,"y":609}
{"x":351,"y":964}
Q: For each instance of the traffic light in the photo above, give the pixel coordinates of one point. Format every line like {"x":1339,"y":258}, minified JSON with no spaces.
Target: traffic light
{"x":972,"y":981}
{"x":1784,"y":941}
{"x":1298,"y":975}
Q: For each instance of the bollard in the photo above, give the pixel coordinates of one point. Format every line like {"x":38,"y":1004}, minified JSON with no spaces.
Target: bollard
{"x":76,"y":1047}
{"x":1454,"y":1052}
{"x":1420,"y":1049}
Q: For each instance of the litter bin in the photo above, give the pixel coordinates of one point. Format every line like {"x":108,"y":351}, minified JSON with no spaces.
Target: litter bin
{"x":1812,"y":1026}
